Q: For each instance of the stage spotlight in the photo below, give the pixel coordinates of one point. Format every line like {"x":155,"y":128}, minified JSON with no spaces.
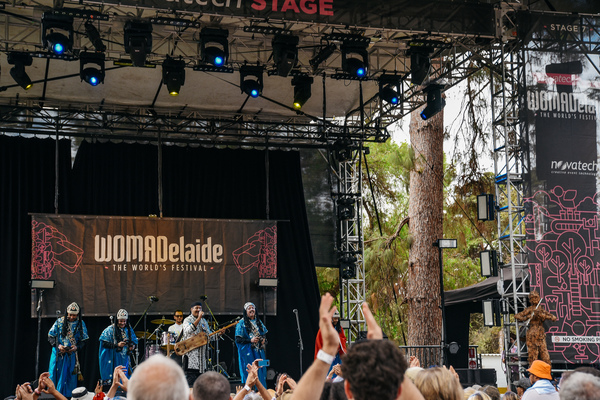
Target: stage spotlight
{"x":324,"y":53}
{"x":94,"y":36}
{"x":389,"y":88}
{"x":435,"y":102}
{"x":348,"y":266}
{"x":355,"y":59}
{"x":20,"y":61}
{"x":214,"y":47}
{"x":420,"y":63}
{"x":173,"y":75}
{"x":91,"y":68}
{"x":251,"y":80}
{"x":138,"y":41}
{"x":302,"y":89}
{"x":285,"y":53}
{"x":57,"y":32}
{"x":345,"y":208}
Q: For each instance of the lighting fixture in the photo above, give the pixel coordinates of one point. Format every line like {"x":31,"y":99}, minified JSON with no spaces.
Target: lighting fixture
{"x":214,"y":47}
{"x":420,"y":63}
{"x":488,"y":263}
{"x":435,"y":102}
{"x":94,"y":36}
{"x":345,"y":208}
{"x":138,"y":41}
{"x":251,"y":80}
{"x":389,"y":88}
{"x":57,"y":32}
{"x":348,"y":266}
{"x":485,"y":207}
{"x":20,"y":61}
{"x":285,"y":53}
{"x":173,"y":75}
{"x":324,"y":53}
{"x":355,"y":59}
{"x":91,"y":67}
{"x":302,"y":89}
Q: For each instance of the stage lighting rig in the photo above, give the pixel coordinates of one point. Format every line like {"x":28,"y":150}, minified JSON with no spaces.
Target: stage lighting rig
{"x":214,"y":46}
{"x":20,"y":61}
{"x":285,"y":53}
{"x":138,"y":41}
{"x":355,"y":59}
{"x":435,"y":102}
{"x":251,"y":80}
{"x":348,"y":266}
{"x":302,"y":89}
{"x":57,"y":33}
{"x":173,"y":75}
{"x":91,"y":68}
{"x":389,"y":88}
{"x":94,"y":36}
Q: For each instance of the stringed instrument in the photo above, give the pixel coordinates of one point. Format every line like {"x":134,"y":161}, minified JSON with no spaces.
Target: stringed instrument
{"x":197,"y":340}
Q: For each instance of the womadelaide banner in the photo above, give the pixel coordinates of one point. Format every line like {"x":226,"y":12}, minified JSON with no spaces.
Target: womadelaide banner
{"x":108,"y":263}
{"x":563,"y":234}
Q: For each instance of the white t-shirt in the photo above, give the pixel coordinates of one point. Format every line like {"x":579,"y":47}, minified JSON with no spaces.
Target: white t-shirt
{"x":176,"y":329}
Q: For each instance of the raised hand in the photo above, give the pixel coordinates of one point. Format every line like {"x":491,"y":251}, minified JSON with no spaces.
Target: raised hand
{"x":373,"y":329}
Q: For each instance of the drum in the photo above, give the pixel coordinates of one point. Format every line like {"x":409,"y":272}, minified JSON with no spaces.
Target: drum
{"x":153,"y":349}
{"x":168,"y":338}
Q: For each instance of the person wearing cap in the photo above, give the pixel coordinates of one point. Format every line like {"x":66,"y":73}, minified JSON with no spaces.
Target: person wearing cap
{"x":67,"y":335}
{"x":81,"y":393}
{"x":250,"y":340}
{"x":195,"y":361}
{"x":541,"y":385}
{"x":521,"y":386}
{"x":335,"y":321}
{"x":117,"y":342}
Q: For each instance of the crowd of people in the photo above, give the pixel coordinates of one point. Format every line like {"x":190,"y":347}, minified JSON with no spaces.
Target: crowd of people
{"x":369,"y":369}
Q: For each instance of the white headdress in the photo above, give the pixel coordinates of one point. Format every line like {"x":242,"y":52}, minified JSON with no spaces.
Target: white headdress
{"x":248,"y":304}
{"x":73,"y":308}
{"x":122,"y":314}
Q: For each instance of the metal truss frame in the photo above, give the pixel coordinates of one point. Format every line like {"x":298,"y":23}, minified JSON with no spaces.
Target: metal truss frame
{"x":350,"y":235}
{"x":511,"y":150}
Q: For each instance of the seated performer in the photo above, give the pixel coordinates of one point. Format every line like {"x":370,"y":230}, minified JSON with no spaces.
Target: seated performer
{"x":250,"y":340}
{"x":67,"y":335}
{"x":194,"y":362}
{"x":335,"y":321}
{"x":117,"y":341}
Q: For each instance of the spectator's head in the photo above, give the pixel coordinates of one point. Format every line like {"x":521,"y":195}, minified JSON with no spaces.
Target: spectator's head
{"x":521,"y":386}
{"x":510,"y":396}
{"x":438,"y":384}
{"x":588,"y":370}
{"x":333,"y":391}
{"x":479,"y":395}
{"x":211,"y":386}
{"x":491,"y":391}
{"x":539,"y":370}
{"x":580,"y":386}
{"x":158,"y":378}
{"x":373,"y":369}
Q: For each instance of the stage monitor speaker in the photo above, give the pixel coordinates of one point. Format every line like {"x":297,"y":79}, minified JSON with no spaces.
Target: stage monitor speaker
{"x":482,"y":376}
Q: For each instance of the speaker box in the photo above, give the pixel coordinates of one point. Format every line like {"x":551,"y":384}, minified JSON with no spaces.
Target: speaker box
{"x":482,"y":376}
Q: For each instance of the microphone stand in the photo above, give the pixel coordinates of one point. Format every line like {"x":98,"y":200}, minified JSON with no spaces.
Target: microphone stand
{"x":214,"y":327}
{"x":300,"y":344}
{"x":39,"y":328}
{"x":144,"y":315}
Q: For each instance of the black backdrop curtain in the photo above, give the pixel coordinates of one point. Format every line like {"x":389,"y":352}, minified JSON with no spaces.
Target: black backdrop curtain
{"x":121,"y":179}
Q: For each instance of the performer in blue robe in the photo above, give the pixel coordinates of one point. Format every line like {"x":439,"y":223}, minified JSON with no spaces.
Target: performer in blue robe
{"x":117,"y":341}
{"x":67,"y":335}
{"x":250,"y":340}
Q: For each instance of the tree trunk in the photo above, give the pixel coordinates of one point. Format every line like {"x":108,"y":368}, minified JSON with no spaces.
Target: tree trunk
{"x":425,"y":213}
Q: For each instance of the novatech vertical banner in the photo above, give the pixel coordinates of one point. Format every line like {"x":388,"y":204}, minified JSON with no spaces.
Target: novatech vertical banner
{"x":108,"y":263}
{"x":563,"y":214}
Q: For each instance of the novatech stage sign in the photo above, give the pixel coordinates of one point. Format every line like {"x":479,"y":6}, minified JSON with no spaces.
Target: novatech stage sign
{"x":107,"y":263}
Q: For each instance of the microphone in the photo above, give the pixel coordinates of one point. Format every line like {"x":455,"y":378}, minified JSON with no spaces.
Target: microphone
{"x":203,"y":297}
{"x":295,"y":311}
{"x":153,"y":299}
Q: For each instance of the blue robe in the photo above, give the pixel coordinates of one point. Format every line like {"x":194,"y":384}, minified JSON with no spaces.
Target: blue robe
{"x":62,"y":365}
{"x":110,"y":357}
{"x":247,"y":353}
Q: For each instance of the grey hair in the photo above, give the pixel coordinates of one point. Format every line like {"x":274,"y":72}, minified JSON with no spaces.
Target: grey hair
{"x":580,"y":386}
{"x":211,"y":386}
{"x":158,"y":378}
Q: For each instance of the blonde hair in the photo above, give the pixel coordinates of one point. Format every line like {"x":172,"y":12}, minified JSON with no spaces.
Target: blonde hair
{"x":479,"y":395}
{"x":438,"y":384}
